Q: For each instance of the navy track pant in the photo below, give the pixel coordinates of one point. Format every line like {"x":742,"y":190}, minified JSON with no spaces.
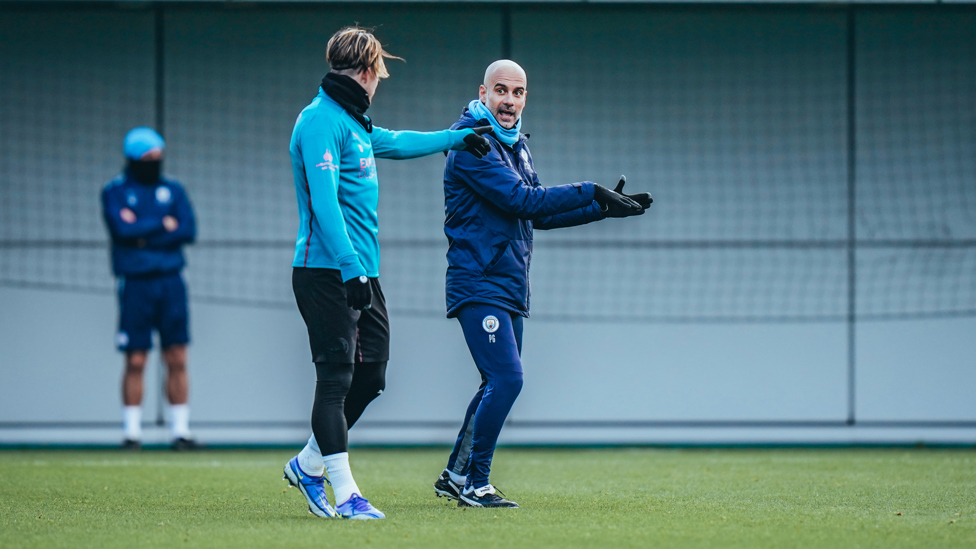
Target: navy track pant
{"x":494,"y":337}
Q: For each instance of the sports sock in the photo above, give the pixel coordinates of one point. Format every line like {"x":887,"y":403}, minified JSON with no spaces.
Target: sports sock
{"x":340,"y":475}
{"x":132,"y":422}
{"x":458,"y":479}
{"x":179,"y":420}
{"x":310,"y":458}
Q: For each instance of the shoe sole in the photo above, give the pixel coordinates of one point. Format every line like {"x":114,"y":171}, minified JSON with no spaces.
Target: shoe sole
{"x":464,"y":502}
{"x":293,"y":483}
{"x":362,"y":517}
{"x":445,"y":494}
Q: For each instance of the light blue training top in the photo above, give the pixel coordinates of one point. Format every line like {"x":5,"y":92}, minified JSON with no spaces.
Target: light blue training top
{"x":332,"y":158}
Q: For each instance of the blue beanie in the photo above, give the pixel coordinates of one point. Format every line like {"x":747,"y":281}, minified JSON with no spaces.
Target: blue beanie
{"x":141,"y":140}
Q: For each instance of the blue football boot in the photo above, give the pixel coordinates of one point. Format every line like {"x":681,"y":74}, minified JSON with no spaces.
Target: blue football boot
{"x":356,"y":507}
{"x":313,"y":488}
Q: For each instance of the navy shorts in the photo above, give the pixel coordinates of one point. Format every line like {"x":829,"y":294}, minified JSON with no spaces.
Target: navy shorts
{"x":148,"y":303}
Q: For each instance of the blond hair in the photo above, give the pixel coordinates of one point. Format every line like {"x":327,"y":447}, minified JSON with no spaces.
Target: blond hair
{"x":357,"y":48}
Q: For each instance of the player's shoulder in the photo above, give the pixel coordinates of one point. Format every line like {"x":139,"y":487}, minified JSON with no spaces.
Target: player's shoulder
{"x":308,"y":114}
{"x":173,"y":184}
{"x":322,"y":109}
{"x":322,"y":116}
{"x":115,"y":183}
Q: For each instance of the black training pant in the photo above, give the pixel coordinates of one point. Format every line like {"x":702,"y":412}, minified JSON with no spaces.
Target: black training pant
{"x":350,"y":350}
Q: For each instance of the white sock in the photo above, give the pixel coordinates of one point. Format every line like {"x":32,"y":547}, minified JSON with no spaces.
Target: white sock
{"x":458,"y":479}
{"x":310,"y":458}
{"x":179,"y":420}
{"x":340,"y":476}
{"x":132,"y":422}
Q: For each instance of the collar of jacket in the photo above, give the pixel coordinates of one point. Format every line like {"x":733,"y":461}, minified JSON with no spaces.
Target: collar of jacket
{"x":523,"y":137}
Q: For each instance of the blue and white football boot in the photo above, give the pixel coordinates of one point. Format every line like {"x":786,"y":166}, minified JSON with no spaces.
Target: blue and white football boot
{"x":356,"y":507}
{"x":313,"y":488}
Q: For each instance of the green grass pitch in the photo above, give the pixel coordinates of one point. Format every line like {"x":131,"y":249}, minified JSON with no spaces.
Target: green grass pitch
{"x":570,"y":498}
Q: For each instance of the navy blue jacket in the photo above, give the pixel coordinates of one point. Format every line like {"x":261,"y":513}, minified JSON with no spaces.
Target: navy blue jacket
{"x":492,"y":205}
{"x":145,"y":247}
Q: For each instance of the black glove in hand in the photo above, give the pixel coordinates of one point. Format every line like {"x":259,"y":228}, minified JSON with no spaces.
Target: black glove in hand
{"x":614,"y":204}
{"x":358,"y":295}
{"x":476,"y":144}
{"x":644,"y":199}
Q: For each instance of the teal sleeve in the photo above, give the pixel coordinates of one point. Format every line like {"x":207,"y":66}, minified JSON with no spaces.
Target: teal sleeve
{"x":322,"y":153}
{"x":401,"y":145}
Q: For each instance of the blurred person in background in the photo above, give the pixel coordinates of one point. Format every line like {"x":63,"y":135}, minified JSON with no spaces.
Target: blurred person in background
{"x":335,"y":273}
{"x":149,"y":219}
{"x":492,"y":204}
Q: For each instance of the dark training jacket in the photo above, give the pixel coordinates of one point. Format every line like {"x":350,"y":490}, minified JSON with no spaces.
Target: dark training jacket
{"x":146,"y":247}
{"x":491,"y":206}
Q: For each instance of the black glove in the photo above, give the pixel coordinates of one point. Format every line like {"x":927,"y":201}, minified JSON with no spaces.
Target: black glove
{"x":615,"y":205}
{"x":644,"y":199}
{"x":358,"y":295}
{"x":476,"y":144}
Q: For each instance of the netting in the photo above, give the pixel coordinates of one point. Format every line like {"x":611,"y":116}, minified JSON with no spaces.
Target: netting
{"x":737,"y":120}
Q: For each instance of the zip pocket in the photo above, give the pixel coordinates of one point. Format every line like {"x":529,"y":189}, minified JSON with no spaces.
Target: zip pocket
{"x":498,"y":257}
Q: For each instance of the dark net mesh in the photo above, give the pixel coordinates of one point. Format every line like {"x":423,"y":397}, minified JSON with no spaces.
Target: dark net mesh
{"x":738,"y":120}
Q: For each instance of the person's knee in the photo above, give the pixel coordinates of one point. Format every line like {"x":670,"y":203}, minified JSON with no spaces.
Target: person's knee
{"x":333,"y":380}
{"x":508,"y":384}
{"x":135,"y":362}
{"x":515,"y":381}
{"x":374,"y":380}
{"x":175,"y":358}
{"x":375,"y":385}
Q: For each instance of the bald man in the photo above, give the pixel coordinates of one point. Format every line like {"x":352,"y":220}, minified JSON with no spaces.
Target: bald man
{"x":492,"y":205}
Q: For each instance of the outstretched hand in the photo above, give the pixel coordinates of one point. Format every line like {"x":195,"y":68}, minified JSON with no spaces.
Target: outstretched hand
{"x":615,"y":204}
{"x":644,"y":199}
{"x":476,"y":143}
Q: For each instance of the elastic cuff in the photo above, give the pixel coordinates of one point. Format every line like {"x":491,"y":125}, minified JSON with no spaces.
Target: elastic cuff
{"x":457,"y":138}
{"x":351,"y":268}
{"x":599,"y":210}
{"x":588,"y":189}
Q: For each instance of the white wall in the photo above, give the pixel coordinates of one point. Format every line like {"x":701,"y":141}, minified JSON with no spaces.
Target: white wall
{"x":252,"y":379}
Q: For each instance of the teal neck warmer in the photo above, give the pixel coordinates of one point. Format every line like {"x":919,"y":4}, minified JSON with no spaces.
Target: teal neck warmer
{"x":506,"y":136}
